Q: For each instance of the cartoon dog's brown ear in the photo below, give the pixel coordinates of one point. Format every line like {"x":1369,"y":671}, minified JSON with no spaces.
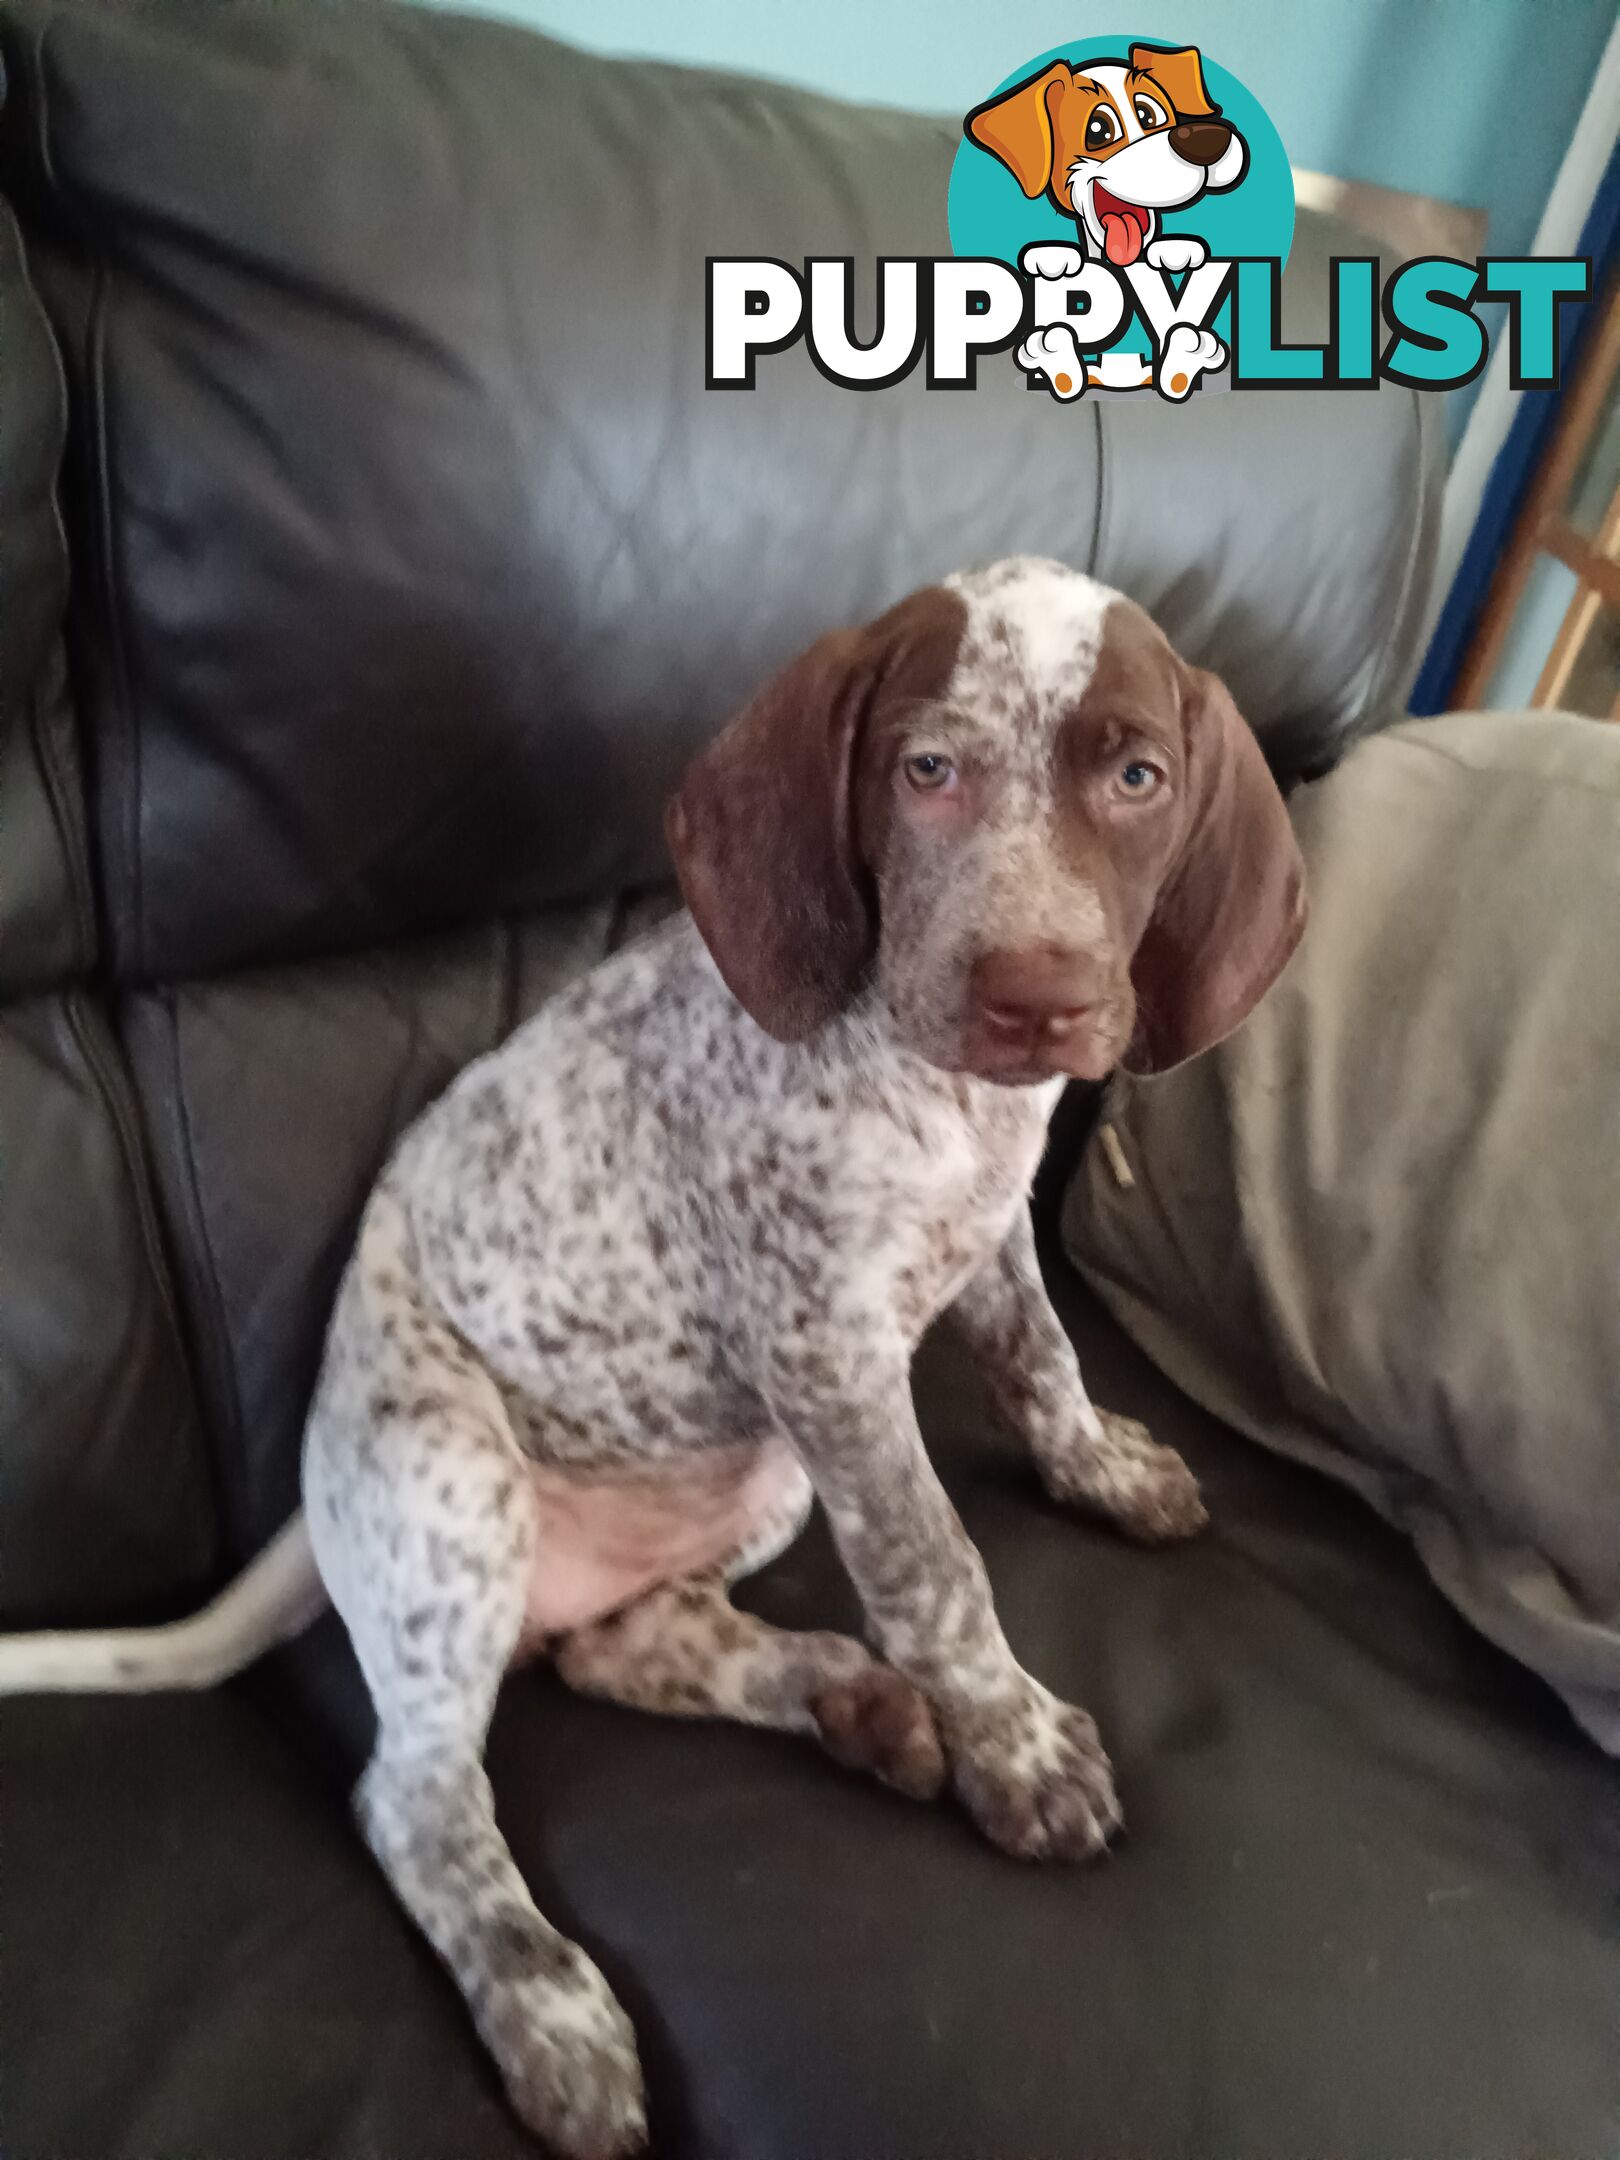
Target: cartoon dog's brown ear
{"x":1233,"y":907}
{"x":1017,"y":126}
{"x":764,"y":827}
{"x":1179,"y":73}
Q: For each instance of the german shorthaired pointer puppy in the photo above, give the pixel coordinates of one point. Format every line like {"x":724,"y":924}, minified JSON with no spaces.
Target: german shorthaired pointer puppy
{"x":651,"y":1275}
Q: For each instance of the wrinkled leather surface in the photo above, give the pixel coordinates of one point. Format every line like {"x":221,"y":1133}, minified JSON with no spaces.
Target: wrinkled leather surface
{"x":1366,"y":1906}
{"x":407,"y":474}
{"x":46,"y":929}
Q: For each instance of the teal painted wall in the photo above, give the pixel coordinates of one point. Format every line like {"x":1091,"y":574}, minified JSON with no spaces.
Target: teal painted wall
{"x":1468,"y":100}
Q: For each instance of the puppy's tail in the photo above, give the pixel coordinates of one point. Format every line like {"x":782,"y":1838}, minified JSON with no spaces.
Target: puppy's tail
{"x":274,"y":1598}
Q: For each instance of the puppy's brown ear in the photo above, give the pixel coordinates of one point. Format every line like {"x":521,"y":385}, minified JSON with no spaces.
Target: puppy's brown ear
{"x":1233,"y":907}
{"x":1180,"y":75}
{"x":1018,"y":127}
{"x":765,"y":828}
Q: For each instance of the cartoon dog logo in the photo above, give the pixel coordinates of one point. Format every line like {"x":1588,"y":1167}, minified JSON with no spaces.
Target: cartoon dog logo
{"x":1114,"y":145}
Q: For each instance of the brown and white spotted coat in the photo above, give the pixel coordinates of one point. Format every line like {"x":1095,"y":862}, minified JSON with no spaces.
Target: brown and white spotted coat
{"x":651,"y":1275}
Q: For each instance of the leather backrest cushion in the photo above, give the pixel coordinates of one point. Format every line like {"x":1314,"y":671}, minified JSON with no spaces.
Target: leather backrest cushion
{"x":272,"y":1099}
{"x":46,"y":922}
{"x":1379,"y":1229}
{"x":417,"y":556}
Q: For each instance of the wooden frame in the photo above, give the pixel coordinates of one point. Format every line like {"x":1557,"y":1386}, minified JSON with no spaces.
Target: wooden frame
{"x":1543,"y":528}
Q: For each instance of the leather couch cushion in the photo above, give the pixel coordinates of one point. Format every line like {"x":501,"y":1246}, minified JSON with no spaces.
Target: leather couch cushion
{"x":107,"y":1496}
{"x":1365,"y":1907}
{"x":1380,"y":1228}
{"x":271,"y":1101}
{"x":428,"y":558}
{"x":202,"y":1960}
{"x":47,"y":930}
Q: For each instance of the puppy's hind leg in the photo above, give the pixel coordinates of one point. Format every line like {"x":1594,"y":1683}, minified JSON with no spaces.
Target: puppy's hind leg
{"x":686,"y":1651}
{"x":422,"y":1519}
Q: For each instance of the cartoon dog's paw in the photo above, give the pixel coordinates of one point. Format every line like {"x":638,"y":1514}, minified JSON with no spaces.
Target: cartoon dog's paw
{"x":1054,"y":355}
{"x":1052,"y":259}
{"x":1176,"y":251}
{"x":1187,"y":354}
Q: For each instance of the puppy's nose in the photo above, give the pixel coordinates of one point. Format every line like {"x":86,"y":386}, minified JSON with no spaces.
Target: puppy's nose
{"x":1200,"y":142}
{"x":1042,"y":991}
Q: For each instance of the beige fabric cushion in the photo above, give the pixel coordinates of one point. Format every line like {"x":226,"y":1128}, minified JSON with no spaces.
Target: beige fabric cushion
{"x":1379,"y":1229}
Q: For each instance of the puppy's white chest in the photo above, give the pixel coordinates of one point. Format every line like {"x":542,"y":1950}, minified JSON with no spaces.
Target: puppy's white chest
{"x":955,"y":1193}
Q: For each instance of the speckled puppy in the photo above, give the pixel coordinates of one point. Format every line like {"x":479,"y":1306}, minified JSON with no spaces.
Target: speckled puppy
{"x":651,"y":1274}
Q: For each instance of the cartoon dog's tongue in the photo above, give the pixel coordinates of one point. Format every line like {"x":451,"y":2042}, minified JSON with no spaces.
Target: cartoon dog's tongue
{"x":1122,"y":238}
{"x":1124,"y":227}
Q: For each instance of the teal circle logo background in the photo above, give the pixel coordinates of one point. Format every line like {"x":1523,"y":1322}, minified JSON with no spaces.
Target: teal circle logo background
{"x":989,"y":214}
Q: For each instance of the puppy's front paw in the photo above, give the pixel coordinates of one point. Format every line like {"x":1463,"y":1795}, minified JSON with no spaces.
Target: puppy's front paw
{"x":881,"y":1723}
{"x":567,"y":2055}
{"x":1031,"y":1772}
{"x":1120,"y":1470}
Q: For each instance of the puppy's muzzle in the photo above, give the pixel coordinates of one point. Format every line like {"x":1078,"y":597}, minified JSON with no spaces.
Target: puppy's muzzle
{"x":1041,"y":1009}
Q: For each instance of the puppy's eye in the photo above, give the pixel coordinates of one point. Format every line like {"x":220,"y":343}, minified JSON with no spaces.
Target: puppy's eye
{"x":929,"y":771}
{"x":1138,"y":780}
{"x":1150,"y":113}
{"x":1101,"y":129}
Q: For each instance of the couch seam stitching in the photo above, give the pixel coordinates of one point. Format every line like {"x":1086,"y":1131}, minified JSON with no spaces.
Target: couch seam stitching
{"x":213,"y":1316}
{"x":132,"y":1149}
{"x":128,"y":735}
{"x":1100,"y":509}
